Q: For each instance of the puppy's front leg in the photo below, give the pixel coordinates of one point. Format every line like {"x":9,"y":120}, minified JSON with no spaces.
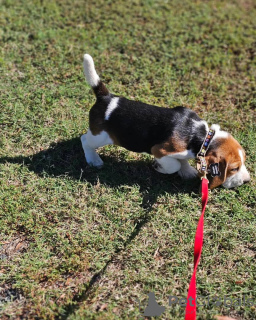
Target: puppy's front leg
{"x":186,"y":171}
{"x":167,"y":165}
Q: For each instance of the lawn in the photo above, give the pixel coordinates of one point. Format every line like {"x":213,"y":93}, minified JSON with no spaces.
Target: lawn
{"x":81,"y":243}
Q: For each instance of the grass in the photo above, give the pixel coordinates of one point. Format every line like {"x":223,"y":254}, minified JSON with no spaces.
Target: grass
{"x":80,"y":243}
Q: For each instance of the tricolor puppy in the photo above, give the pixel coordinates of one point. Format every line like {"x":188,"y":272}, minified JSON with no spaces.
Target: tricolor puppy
{"x":172,"y":136}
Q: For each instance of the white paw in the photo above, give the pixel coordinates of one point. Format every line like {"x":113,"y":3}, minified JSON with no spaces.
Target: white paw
{"x":97,"y":164}
{"x":159,"y":168}
{"x":188,"y":173}
{"x":167,"y":166}
{"x":93,"y":159}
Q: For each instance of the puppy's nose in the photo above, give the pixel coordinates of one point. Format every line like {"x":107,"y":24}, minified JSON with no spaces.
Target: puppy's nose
{"x":247,"y":179}
{"x":245,"y":175}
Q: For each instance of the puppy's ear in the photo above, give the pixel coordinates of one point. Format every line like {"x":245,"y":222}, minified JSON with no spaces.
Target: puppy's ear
{"x":218,"y":179}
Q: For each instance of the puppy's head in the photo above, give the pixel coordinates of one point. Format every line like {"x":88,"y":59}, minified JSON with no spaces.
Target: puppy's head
{"x":226,"y":153}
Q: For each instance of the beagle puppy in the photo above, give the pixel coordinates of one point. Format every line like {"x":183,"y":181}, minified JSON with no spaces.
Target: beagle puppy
{"x":172,"y":136}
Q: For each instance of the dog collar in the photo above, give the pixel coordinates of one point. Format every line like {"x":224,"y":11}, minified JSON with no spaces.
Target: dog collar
{"x":201,"y":161}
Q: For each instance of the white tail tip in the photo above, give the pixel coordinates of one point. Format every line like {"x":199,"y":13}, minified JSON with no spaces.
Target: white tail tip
{"x":89,"y":70}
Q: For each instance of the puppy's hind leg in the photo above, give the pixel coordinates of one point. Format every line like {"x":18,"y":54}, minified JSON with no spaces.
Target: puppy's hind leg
{"x":91,"y":142}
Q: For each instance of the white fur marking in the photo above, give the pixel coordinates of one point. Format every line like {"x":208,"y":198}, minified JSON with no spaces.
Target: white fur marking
{"x":240,"y":177}
{"x":215,"y":127}
{"x":218,"y":133}
{"x":245,"y":174}
{"x":187,"y":154}
{"x":89,"y":70}
{"x":233,"y":181}
{"x":90,"y":143}
{"x":167,"y":165}
{"x":241,"y":156}
{"x":111,"y":107}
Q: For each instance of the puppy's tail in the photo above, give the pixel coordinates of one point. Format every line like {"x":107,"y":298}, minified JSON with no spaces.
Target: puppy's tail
{"x":92,"y":77}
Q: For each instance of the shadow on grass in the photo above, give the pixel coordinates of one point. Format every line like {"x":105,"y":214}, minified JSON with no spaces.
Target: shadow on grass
{"x":67,"y":159}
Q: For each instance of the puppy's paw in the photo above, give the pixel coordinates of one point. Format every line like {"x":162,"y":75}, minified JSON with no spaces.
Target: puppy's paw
{"x":94,"y":160}
{"x":188,"y":173}
{"x":97,"y":164}
{"x":156,"y":165}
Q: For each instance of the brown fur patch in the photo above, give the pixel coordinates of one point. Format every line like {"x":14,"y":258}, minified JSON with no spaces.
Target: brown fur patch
{"x":96,"y":118}
{"x":100,"y":90}
{"x":173,"y":145}
{"x":229,"y":149}
{"x":113,"y":137}
{"x":227,"y":155}
{"x":95,"y":129}
{"x":98,"y":124}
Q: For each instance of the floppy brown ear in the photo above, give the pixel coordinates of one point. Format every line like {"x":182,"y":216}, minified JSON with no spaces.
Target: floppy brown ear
{"x":218,"y":180}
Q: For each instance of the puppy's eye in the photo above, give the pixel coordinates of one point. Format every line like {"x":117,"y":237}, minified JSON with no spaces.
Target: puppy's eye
{"x":235,"y":169}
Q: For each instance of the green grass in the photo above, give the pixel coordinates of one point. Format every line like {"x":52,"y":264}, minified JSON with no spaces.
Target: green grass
{"x":80,"y":243}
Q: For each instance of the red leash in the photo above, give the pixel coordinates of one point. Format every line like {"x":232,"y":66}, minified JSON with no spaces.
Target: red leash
{"x":191,"y":297}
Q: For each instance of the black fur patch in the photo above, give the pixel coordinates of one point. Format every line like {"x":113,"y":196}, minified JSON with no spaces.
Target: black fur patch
{"x":100,"y":90}
{"x":139,"y":126}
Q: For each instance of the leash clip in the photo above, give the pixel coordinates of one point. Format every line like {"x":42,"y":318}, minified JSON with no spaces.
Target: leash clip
{"x":204,"y":176}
